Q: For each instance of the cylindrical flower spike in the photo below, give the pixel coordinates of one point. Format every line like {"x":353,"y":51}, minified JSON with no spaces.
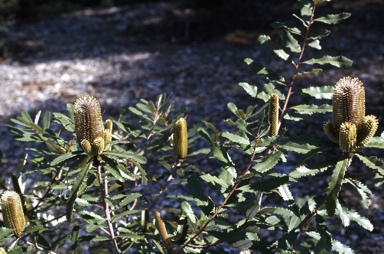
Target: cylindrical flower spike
{"x":328,"y":129}
{"x":180,"y":139}
{"x":163,"y":233}
{"x":2,"y":251}
{"x":348,"y":102}
{"x":347,"y":137}
{"x":12,"y":210}
{"x":90,"y":132}
{"x":273,"y":117}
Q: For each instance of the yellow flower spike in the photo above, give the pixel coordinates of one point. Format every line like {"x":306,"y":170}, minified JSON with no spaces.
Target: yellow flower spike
{"x":87,"y":147}
{"x":88,"y":122}
{"x":12,"y":210}
{"x":273,"y":117}
{"x":329,"y":130}
{"x":180,"y":139}
{"x":348,"y":137}
{"x":348,"y":102}
{"x":367,"y":130}
{"x":108,"y":134}
{"x":2,"y":251}
{"x":98,"y":146}
{"x":163,"y":233}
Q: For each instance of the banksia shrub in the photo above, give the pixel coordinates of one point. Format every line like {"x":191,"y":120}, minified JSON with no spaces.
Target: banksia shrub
{"x":273,"y":117}
{"x":12,"y":210}
{"x":180,"y":139}
{"x":349,"y":127}
{"x":90,"y":132}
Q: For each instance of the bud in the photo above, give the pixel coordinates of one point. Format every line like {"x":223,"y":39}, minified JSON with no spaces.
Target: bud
{"x":89,"y":127}
{"x":348,"y":102}
{"x":12,"y":210}
{"x":273,"y":117}
{"x":180,"y":139}
{"x":329,"y":130}
{"x":163,"y":233}
{"x":367,"y":130}
{"x":347,"y":137}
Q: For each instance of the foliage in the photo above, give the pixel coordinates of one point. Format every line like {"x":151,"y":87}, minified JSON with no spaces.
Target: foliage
{"x":109,"y":201}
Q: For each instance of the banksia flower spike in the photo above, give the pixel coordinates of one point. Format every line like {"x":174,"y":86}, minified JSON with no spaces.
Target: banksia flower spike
{"x":12,"y":210}
{"x":180,"y":139}
{"x":273,"y":116}
{"x":90,"y":132}
{"x":2,"y":251}
{"x":349,"y":127}
{"x":163,"y":233}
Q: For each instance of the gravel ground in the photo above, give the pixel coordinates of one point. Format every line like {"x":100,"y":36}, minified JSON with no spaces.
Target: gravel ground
{"x":122,"y":54}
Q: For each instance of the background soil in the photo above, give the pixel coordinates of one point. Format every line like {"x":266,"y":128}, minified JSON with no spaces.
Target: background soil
{"x":196,"y":54}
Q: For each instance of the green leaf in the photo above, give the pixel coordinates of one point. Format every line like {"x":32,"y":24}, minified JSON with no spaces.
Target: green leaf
{"x":338,"y":61}
{"x":290,"y":42}
{"x":268,"y":162}
{"x":313,"y":71}
{"x":361,"y":220}
{"x":250,"y":89}
{"x":46,"y":120}
{"x":5,"y":233}
{"x":303,"y":144}
{"x":130,"y":198}
{"x":372,"y":162}
{"x":319,"y":92}
{"x":375,"y":142}
{"x":284,"y":192}
{"x":266,"y":41}
{"x":196,"y":189}
{"x":187,"y":211}
{"x":315,"y":44}
{"x":332,"y":19}
{"x":75,"y":189}
{"x":65,"y":157}
{"x":288,"y":26}
{"x":237,"y":112}
{"x":236,"y":138}
{"x":214,"y":180}
{"x":129,"y":155}
{"x":270,"y":183}
{"x":335,"y":184}
{"x":259,"y":69}
{"x":312,"y":109}
{"x":74,"y":239}
{"x":363,"y":190}
{"x":65,"y":121}
{"x":341,"y":248}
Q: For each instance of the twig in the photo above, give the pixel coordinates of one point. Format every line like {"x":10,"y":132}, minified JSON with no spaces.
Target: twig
{"x":104,"y":196}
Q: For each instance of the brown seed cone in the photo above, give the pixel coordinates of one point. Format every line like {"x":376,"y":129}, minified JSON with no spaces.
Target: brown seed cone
{"x":88,"y":120}
{"x":13,"y":214}
{"x":348,"y":102}
{"x":273,"y":116}
{"x":180,"y":139}
{"x":163,"y":233}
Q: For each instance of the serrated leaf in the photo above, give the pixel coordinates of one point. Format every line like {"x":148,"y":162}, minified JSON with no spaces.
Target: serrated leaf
{"x":129,"y":155}
{"x":335,"y":183}
{"x":260,"y":69}
{"x":270,"y":183}
{"x":268,"y":162}
{"x":341,"y":248}
{"x":242,"y":244}
{"x":333,"y":19}
{"x":319,"y":92}
{"x":313,"y":71}
{"x":284,"y":192}
{"x":46,"y":120}
{"x":363,"y":190}
{"x":372,"y":162}
{"x":312,"y":109}
{"x":214,"y":180}
{"x":343,"y":214}
{"x":236,"y":138}
{"x":361,"y":220}
{"x":338,"y":61}
{"x":250,"y":89}
{"x":302,"y":144}
{"x":237,"y":112}
{"x":375,"y":142}
{"x":65,"y":121}
{"x":130,"y":198}
{"x":290,"y":42}
{"x":196,"y":189}
{"x":187,"y":211}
